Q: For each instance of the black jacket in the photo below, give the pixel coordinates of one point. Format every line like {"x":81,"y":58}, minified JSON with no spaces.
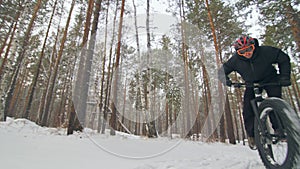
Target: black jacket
{"x":260,"y":67}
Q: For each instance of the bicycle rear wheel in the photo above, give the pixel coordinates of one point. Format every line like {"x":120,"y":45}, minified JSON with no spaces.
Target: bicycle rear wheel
{"x":278,"y":146}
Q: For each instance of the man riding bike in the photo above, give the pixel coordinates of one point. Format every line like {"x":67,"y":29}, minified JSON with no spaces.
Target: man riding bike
{"x":255,"y":64}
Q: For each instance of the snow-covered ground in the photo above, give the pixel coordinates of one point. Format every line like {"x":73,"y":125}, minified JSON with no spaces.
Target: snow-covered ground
{"x":24,"y":145}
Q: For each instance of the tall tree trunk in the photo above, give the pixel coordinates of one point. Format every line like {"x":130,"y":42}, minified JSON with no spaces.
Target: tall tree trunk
{"x":22,"y":52}
{"x":239,"y":100}
{"x":146,"y":87}
{"x":229,"y":122}
{"x":74,"y":124}
{"x":81,"y":109}
{"x":12,"y":111}
{"x":32,"y":87}
{"x":80,"y":83}
{"x":3,"y":64}
{"x":103,"y":70}
{"x":217,"y":52}
{"x":116,"y":77}
{"x":109,"y":72}
{"x":213,"y":31}
{"x":10,"y":33}
{"x":138,"y":122}
{"x":53,"y":76}
{"x":186,"y":104}
{"x":57,"y":122}
{"x":44,"y":94}
{"x":150,"y":125}
{"x":234,"y":109}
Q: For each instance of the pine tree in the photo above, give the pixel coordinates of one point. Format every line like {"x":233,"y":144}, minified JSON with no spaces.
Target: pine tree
{"x":32,"y":88}
{"x":220,"y":25}
{"x":53,"y":78}
{"x":80,"y":91}
{"x":281,"y":20}
{"x":13,"y":89}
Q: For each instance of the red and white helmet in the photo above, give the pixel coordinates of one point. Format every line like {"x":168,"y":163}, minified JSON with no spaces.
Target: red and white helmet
{"x":243,"y":41}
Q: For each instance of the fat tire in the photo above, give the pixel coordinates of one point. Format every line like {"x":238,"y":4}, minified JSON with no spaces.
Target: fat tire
{"x":291,"y":122}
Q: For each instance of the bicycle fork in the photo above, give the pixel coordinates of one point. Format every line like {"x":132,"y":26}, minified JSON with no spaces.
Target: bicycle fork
{"x":255,"y":103}
{"x":255,"y":111}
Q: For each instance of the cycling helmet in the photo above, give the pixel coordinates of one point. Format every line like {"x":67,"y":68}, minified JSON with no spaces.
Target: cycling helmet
{"x":243,"y":42}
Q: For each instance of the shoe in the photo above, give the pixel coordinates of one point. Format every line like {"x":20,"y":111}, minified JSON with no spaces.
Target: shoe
{"x":251,"y":143}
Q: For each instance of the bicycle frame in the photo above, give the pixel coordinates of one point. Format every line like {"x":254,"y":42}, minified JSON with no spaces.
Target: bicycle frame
{"x":255,"y":103}
{"x":271,"y":137}
{"x":258,"y":90}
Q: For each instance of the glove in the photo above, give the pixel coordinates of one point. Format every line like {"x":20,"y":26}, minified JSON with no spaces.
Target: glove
{"x":228,"y":82}
{"x":285,"y":81}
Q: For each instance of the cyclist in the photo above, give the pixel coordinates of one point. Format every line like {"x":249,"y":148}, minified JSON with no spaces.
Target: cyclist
{"x":255,"y":64}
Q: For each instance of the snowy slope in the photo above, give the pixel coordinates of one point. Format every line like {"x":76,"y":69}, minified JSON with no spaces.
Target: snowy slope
{"x":24,"y":145}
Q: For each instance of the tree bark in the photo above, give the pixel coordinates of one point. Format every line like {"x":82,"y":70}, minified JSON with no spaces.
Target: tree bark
{"x":116,"y":74}
{"x":32,"y":87}
{"x":23,"y":49}
{"x":74,"y":124}
{"x":229,"y":122}
{"x":186,"y":107}
{"x":106,"y":110}
{"x":103,"y":71}
{"x":80,"y":91}
{"x":53,"y":76}
{"x":137,"y":124}
{"x":217,"y":52}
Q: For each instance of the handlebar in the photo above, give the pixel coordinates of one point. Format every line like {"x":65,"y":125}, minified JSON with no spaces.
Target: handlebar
{"x":239,"y":85}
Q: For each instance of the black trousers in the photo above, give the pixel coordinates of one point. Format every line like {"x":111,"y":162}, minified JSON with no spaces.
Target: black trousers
{"x":248,"y":114}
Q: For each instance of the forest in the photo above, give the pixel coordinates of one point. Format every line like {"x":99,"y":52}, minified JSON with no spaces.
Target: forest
{"x":144,"y":67}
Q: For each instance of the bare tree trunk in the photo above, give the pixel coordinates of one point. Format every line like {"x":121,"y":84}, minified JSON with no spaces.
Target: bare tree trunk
{"x":217,"y":52}
{"x":234,"y":109}
{"x":3,"y":64}
{"x":11,"y":28}
{"x":10,"y":33}
{"x":53,"y":78}
{"x":21,"y":56}
{"x":239,"y":109}
{"x":108,"y":79}
{"x":229,"y":122}
{"x":116,"y":77}
{"x":138,"y":122}
{"x":11,"y":109}
{"x":58,"y":120}
{"x":150,"y":125}
{"x":74,"y":124}
{"x":187,"y":125}
{"x":81,"y":109}
{"x":103,"y":70}
{"x":207,"y":100}
{"x":147,"y":125}
{"x":44,"y":95}
{"x":80,"y":83}
{"x":29,"y":97}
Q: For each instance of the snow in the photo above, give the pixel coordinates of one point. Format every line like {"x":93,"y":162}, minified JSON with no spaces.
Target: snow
{"x":25,"y":145}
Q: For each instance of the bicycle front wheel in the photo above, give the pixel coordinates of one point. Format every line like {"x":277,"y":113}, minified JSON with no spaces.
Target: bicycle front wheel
{"x":277,"y":136}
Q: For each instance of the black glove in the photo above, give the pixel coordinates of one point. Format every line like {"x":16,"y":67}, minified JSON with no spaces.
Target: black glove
{"x":228,"y":82}
{"x":285,"y":81}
